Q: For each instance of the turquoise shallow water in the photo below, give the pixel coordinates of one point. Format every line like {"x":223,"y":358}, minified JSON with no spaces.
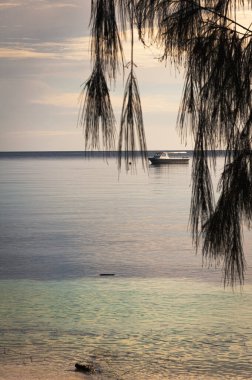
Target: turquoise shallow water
{"x":162,"y":316}
{"x":130,"y":328}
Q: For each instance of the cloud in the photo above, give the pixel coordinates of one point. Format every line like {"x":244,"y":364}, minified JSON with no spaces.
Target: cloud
{"x":66,"y":100}
{"x":44,"y":132}
{"x":49,"y":4}
{"x":45,"y":4}
{"x":152,"y":103}
{"x":23,"y":54}
{"x":43,"y":20}
{"x":159,"y":104}
{"x":9,"y":4}
{"x":74,"y":49}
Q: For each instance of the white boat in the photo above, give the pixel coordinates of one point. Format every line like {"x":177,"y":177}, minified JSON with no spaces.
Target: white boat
{"x":169,"y":158}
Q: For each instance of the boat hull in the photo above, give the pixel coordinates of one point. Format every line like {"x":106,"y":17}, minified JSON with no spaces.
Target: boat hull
{"x":158,"y":161}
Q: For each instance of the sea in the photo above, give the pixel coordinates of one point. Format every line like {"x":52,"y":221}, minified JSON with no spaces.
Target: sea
{"x":97,"y":266}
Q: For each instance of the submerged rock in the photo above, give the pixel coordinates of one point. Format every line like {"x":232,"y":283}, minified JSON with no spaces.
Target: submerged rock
{"x":86,"y":368}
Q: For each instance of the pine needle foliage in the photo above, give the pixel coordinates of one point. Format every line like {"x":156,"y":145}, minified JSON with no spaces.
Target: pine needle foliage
{"x":96,"y":113}
{"x":106,"y":42}
{"x":215,"y":51}
{"x":131,"y":124}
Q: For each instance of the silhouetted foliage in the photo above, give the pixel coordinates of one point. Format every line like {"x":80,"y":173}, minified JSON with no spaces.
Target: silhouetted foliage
{"x":96,"y":109}
{"x":216,"y":108}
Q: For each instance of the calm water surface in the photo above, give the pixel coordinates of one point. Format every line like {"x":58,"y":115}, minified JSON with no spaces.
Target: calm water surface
{"x":162,"y":316}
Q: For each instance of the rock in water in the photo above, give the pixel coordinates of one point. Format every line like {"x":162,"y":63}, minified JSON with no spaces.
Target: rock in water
{"x":83,"y":368}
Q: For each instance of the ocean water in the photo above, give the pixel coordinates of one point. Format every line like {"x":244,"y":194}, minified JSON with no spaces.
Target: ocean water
{"x":65,"y":220}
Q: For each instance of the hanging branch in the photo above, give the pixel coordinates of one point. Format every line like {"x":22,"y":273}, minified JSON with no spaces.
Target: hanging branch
{"x":96,"y":112}
{"x":123,"y":10}
{"x":223,"y":230}
{"x":216,"y":106}
{"x":106,"y":43}
{"x":95,"y":106}
{"x":217,"y":83}
{"x":131,"y":125}
{"x":202,"y":199}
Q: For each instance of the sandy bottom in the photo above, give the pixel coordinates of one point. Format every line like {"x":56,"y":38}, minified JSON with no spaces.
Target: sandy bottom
{"x":49,"y":372}
{"x":29,"y":372}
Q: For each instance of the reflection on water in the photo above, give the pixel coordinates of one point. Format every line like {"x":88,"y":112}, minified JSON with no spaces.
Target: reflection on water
{"x":162,"y":316}
{"x":172,"y":169}
{"x":73,"y":218}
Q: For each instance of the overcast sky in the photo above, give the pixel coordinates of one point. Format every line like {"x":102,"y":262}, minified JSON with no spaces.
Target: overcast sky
{"x":44,"y":59}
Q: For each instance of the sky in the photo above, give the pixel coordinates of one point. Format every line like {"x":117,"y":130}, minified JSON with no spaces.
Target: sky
{"x":45,"y":59}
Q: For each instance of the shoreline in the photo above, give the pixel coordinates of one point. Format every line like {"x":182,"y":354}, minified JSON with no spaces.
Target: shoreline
{"x":41,"y":372}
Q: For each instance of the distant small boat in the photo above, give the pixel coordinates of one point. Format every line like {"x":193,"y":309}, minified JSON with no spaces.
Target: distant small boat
{"x":107,"y":274}
{"x":169,"y":158}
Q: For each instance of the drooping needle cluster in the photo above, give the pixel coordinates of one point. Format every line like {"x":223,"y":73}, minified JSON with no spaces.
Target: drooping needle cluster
{"x":215,"y":51}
